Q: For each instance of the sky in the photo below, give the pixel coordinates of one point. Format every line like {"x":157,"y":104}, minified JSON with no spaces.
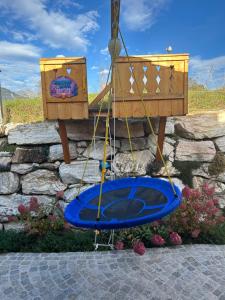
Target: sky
{"x":31,"y":29}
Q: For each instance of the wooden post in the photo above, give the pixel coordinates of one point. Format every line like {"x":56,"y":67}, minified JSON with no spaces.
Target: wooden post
{"x":64,"y":140}
{"x":161,"y":136}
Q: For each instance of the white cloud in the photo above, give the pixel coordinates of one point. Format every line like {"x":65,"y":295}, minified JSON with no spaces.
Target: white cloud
{"x":55,"y":29}
{"x":104,"y":51}
{"x":20,"y":75}
{"x":94,"y":68}
{"x":15,"y":51}
{"x":104,"y":72}
{"x":141,"y":14}
{"x":20,"y":66}
{"x":210,"y":72}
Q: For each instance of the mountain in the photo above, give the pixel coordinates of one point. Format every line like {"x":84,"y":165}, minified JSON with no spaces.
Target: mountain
{"x":9,"y":95}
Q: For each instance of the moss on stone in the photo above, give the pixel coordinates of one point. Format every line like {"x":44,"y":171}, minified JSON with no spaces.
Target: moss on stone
{"x":218,"y":164}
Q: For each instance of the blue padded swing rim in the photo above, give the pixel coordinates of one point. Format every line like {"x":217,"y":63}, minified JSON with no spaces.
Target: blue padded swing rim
{"x":73,"y":209}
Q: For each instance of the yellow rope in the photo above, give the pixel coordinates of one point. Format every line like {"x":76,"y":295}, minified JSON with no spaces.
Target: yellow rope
{"x":146,"y":114}
{"x":93,"y":139}
{"x":104,"y":166}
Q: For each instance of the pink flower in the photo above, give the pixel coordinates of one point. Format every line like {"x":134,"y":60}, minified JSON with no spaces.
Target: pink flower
{"x":60,"y":195}
{"x":195,"y":233}
{"x":157,"y":240}
{"x":209,"y":191}
{"x":12,"y":219}
{"x":175,"y":238}
{"x":210,"y":204}
{"x":22,"y":209}
{"x":33,"y":205}
{"x":139,"y":248}
{"x":119,"y":245}
{"x":187,"y":192}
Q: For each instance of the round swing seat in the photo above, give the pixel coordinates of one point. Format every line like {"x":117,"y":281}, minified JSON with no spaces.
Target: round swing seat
{"x":125,"y":203}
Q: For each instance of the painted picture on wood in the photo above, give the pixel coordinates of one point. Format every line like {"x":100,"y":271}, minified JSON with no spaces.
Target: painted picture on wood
{"x":63,"y":87}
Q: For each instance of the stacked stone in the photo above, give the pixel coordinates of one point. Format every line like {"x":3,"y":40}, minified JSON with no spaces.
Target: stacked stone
{"x":36,"y":166}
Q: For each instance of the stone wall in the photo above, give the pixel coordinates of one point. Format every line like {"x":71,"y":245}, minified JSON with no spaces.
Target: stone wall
{"x":32,"y":160}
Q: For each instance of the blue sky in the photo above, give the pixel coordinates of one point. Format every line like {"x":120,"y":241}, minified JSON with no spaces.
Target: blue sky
{"x":48,"y":28}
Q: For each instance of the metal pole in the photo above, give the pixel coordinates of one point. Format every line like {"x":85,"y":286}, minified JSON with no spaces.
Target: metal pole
{"x":1,"y":104}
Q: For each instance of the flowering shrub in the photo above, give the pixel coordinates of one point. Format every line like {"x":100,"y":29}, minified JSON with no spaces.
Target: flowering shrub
{"x":139,"y":247}
{"x":157,"y":240}
{"x":175,"y":238}
{"x":198,"y":213}
{"x":40,"y":219}
{"x":119,"y":245}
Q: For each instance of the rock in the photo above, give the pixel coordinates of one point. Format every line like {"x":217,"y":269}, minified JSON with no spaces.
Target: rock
{"x":6,"y":154}
{"x":168,"y":169}
{"x":203,"y":151}
{"x":97,"y":151}
{"x":50,"y":166}
{"x":9,"y":183}
{"x":56,"y":152}
{"x":10,"y":126}
{"x":23,"y":168}
{"x":82,"y":144}
{"x":5,"y":163}
{"x":123,"y":164}
{"x":3,"y":142}
{"x":71,"y":193}
{"x":41,"y":182}
{"x":73,"y":172}
{"x":80,"y":151}
{"x":198,"y":127}
{"x":9,"y":204}
{"x":136,"y":129}
{"x":220,"y":143}
{"x":2,"y":130}
{"x":35,"y":134}
{"x":219,"y":188}
{"x":15,"y":226}
{"x":83,"y":130}
{"x":203,"y":172}
{"x":168,"y":148}
{"x":30,"y":155}
{"x":169,"y":130}
{"x":137,"y":144}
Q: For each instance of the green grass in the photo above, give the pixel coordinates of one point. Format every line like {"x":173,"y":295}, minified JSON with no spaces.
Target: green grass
{"x":30,"y":110}
{"x":202,"y":101}
{"x":23,"y":110}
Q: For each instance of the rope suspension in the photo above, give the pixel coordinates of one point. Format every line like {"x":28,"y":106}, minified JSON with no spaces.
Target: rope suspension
{"x":146,"y":114}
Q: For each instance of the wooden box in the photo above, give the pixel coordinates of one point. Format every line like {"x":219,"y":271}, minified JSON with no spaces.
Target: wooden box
{"x":64,"y":88}
{"x":162,"y":85}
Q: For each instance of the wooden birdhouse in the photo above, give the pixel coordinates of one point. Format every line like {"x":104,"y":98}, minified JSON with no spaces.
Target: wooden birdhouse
{"x":153,"y":85}
{"x":64,"y":88}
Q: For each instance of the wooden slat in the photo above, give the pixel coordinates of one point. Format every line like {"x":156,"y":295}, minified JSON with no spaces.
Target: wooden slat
{"x":153,"y":58}
{"x":43,"y":87}
{"x":63,"y":60}
{"x":186,"y":87}
{"x":177,"y":108}
{"x":58,"y":108}
{"x":52,"y":111}
{"x":100,"y":96}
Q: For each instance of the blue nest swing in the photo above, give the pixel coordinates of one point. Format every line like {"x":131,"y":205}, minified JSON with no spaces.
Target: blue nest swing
{"x":125,"y":203}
